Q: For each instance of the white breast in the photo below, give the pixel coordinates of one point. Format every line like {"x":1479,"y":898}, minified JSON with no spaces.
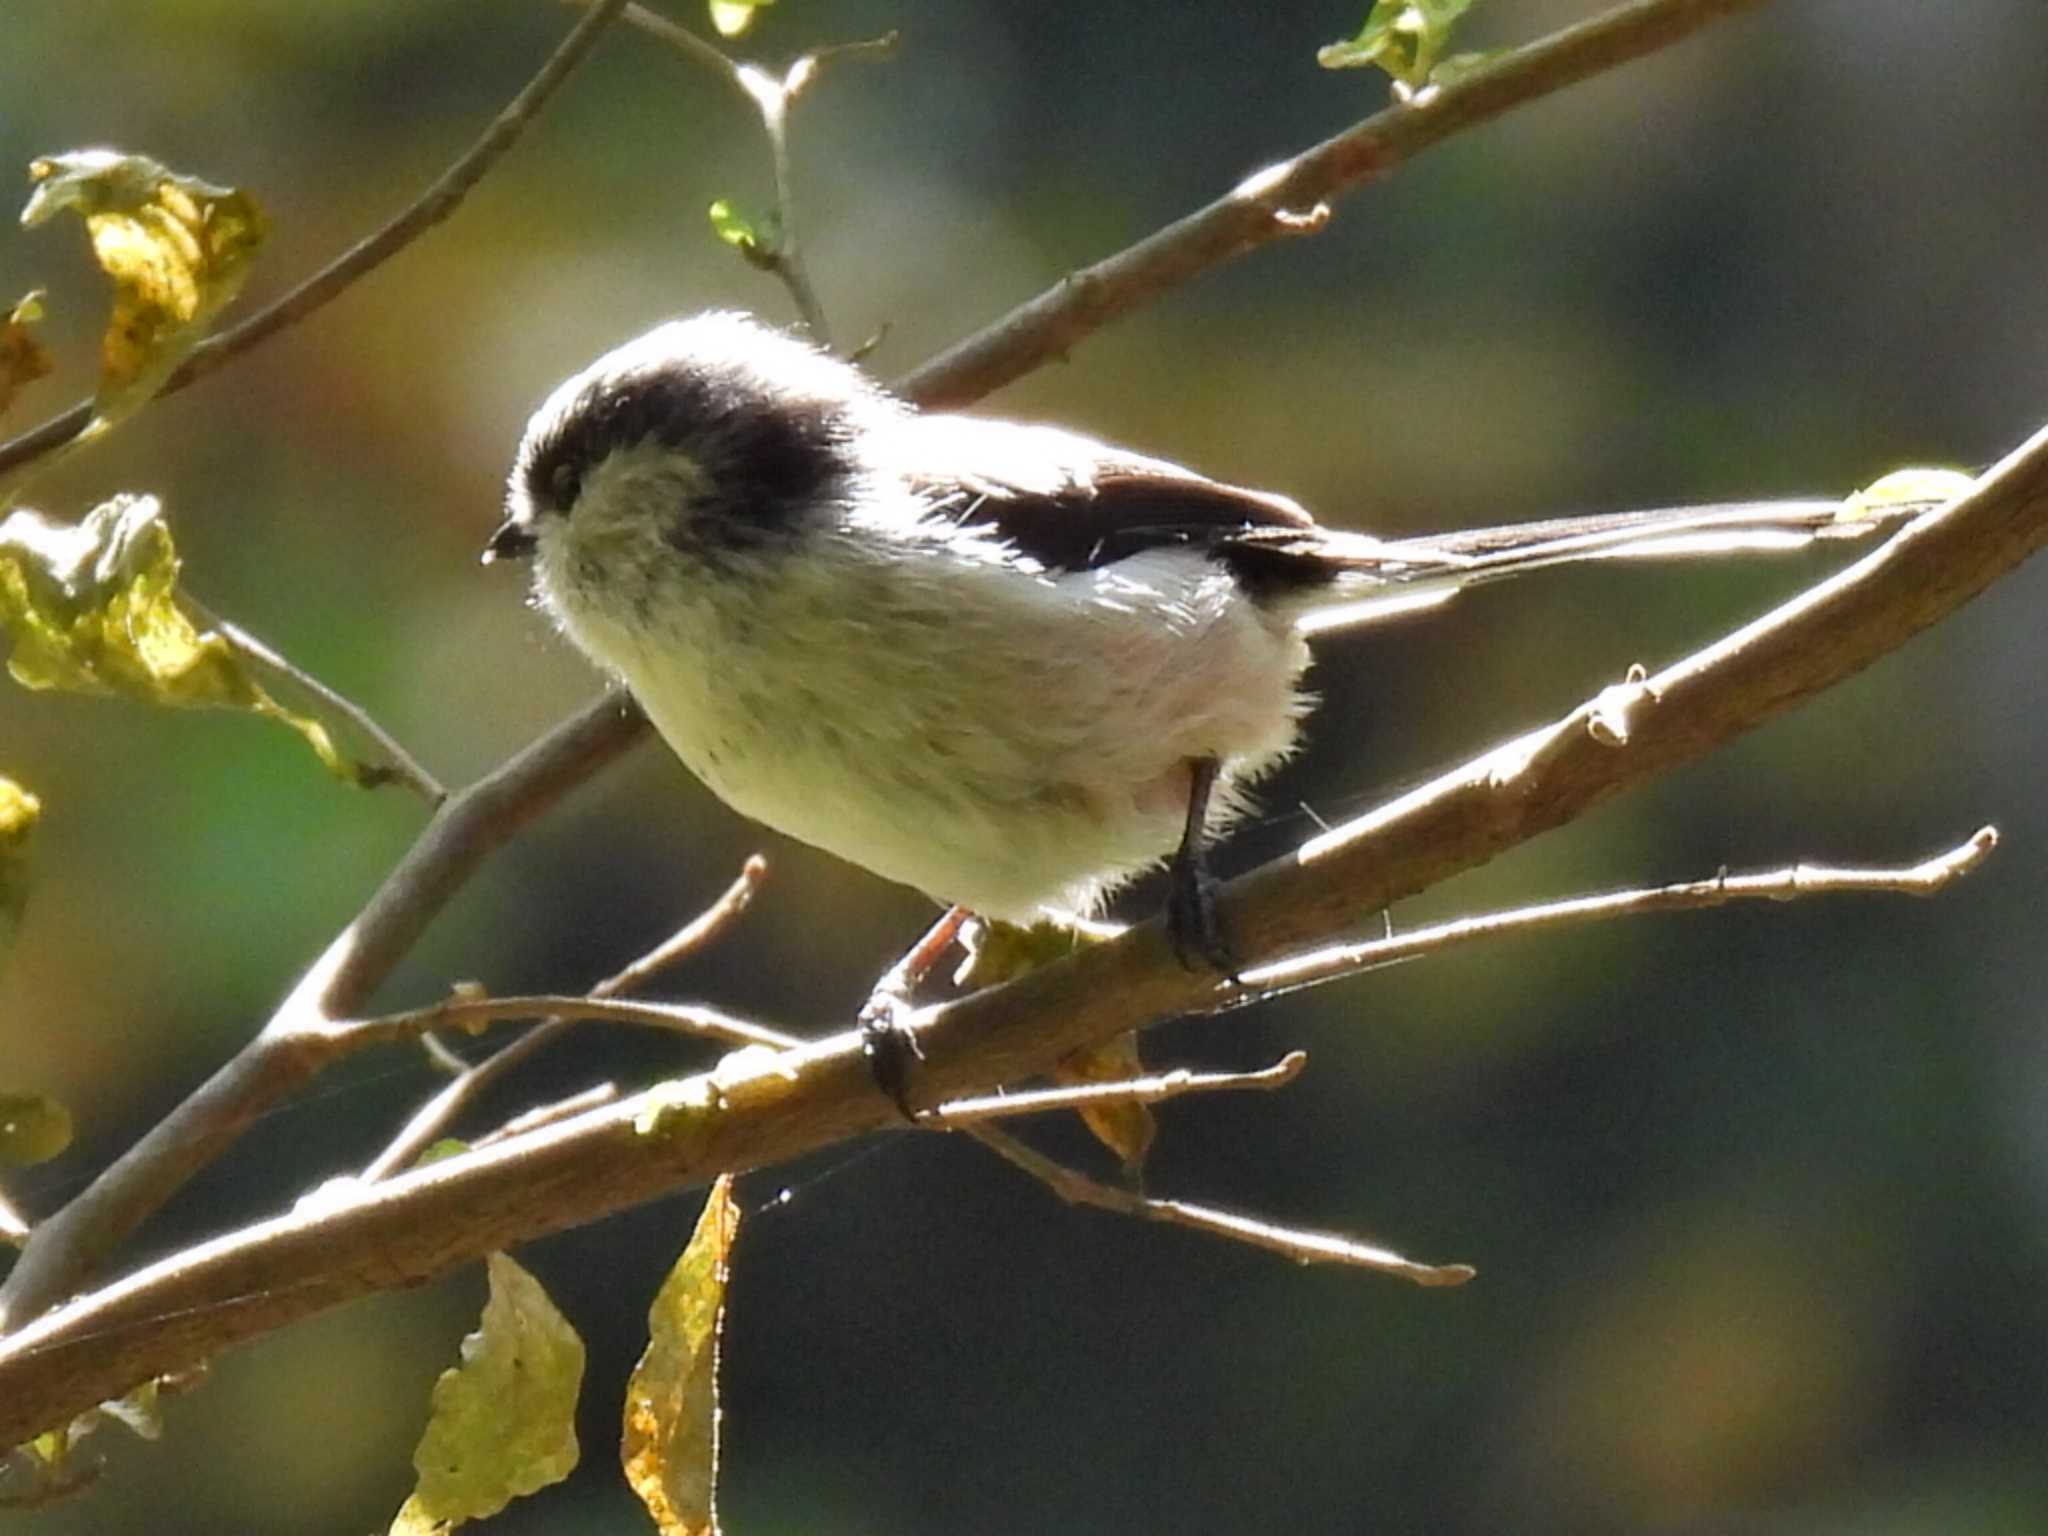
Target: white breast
{"x":1011,"y":741}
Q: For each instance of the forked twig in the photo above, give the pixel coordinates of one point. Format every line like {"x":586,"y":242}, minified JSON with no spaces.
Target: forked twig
{"x":1926,"y":878}
{"x":771,"y":96}
{"x":1301,"y":1244}
{"x":556,"y":1015}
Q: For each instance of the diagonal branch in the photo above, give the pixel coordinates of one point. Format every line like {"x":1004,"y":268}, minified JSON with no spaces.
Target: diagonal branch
{"x":429,"y":209}
{"x":72,"y":1244}
{"x":1291,"y":198}
{"x":756,"y":1109}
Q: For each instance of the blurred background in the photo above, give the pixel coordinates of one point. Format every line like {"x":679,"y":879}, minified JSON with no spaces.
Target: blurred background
{"x":1758,"y":1198}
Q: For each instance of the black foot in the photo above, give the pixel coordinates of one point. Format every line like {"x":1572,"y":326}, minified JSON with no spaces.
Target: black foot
{"x":1192,"y":924}
{"x":889,"y":1048}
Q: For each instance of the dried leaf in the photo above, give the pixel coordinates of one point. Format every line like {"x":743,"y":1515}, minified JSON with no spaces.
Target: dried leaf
{"x":92,"y":607}
{"x":670,"y":1447}
{"x":1128,"y":1130}
{"x":504,"y":1421}
{"x":22,"y":358}
{"x":176,"y":247}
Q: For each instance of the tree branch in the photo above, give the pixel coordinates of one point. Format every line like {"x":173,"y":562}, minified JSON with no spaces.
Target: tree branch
{"x":432,"y":206}
{"x":439,"y":1112}
{"x":1153,"y":1088}
{"x":73,"y":1243}
{"x":296,"y":1043}
{"x":1929,"y":877}
{"x":755,"y":1108}
{"x":1289,"y":199}
{"x":1301,"y":1244}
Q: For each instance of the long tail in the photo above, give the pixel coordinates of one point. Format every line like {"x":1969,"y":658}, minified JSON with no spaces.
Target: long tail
{"x":1376,"y":579}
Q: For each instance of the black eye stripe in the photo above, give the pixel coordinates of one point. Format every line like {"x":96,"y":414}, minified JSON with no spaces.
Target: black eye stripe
{"x":765,"y":456}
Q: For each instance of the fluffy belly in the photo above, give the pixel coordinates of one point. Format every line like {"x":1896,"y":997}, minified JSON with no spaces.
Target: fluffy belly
{"x":1015,"y":757}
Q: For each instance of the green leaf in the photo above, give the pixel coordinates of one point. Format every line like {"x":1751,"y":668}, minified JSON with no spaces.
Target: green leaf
{"x":732,"y":17}
{"x":18,"y":812}
{"x":23,"y":359}
{"x":176,"y":247}
{"x":504,"y":1421}
{"x":733,"y":227}
{"x":1403,"y":37}
{"x":670,"y":1445}
{"x":92,"y":607}
{"x":33,"y":1129}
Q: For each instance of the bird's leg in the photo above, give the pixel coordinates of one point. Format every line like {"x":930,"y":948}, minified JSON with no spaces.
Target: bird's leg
{"x":1191,"y":922}
{"x":888,"y":1046}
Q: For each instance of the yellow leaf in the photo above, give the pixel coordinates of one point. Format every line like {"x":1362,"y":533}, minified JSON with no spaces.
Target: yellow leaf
{"x":18,"y":812}
{"x":732,"y":17}
{"x":503,"y":1422}
{"x":92,"y":607}
{"x":22,"y":358}
{"x":670,"y":1446}
{"x":176,"y":247}
{"x":1128,"y":1130}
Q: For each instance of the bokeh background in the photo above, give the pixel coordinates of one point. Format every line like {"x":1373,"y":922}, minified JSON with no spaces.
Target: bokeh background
{"x":1759,"y":1199}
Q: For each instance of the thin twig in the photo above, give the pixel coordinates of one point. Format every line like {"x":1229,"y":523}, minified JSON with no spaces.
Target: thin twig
{"x":1155,"y":1088}
{"x":72,"y":1243}
{"x":400,"y":766}
{"x":1301,"y":1244}
{"x":477,"y":1012}
{"x":1926,"y":878}
{"x":781,"y":251}
{"x":434,"y":1116}
{"x":1291,"y":198}
{"x":693,"y":935}
{"x":432,"y":206}
{"x":596,"y":1095}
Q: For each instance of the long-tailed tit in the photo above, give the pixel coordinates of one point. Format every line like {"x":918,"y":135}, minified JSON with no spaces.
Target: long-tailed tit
{"x":1008,"y":665}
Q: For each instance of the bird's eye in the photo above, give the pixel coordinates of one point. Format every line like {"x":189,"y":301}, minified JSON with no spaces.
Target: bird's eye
{"x":564,"y":480}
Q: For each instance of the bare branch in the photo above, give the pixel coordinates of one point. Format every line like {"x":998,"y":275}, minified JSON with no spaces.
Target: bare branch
{"x":433,"y":1117}
{"x":757,"y":1108}
{"x":432,"y":206}
{"x":1927,"y":878}
{"x":294,"y":1045}
{"x":1289,"y":199}
{"x":1154,"y":1088}
{"x":402,"y":765}
{"x":352,"y":1035}
{"x":1301,"y":1244}
{"x":73,"y":1243}
{"x":548,"y":1114}
{"x":693,"y":935}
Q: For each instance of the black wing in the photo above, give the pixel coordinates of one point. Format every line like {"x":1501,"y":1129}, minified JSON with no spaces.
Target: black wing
{"x":1072,"y":504}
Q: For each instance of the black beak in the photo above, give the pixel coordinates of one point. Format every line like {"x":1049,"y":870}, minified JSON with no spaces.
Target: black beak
{"x":512,"y":541}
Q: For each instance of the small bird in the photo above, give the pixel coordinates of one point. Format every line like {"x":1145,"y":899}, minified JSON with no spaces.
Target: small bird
{"x":1005,"y":664}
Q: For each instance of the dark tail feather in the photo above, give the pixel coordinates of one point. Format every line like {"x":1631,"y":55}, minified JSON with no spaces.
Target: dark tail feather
{"x":1365,"y":579}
